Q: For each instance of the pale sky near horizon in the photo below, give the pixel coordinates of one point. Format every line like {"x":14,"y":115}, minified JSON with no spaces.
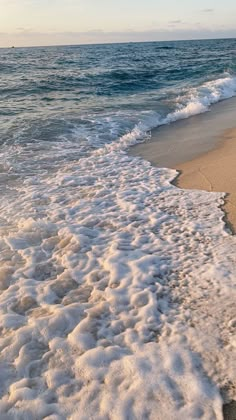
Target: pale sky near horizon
{"x":50,"y":22}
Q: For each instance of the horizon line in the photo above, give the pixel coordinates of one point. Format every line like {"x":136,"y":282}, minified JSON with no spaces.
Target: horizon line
{"x":117,"y":43}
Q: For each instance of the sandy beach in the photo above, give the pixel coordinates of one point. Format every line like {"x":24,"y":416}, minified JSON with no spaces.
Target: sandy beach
{"x":214,"y":171}
{"x":210,"y":170}
{"x":185,"y":140}
{"x":203,"y":149}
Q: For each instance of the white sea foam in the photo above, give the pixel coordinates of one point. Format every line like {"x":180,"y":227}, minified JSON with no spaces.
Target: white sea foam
{"x":117,"y":289}
{"x":199,"y":99}
{"x":196,"y":101}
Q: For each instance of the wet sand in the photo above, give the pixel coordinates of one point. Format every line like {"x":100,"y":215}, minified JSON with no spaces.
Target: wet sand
{"x":214,"y":171}
{"x":203,"y":149}
{"x":188,"y":139}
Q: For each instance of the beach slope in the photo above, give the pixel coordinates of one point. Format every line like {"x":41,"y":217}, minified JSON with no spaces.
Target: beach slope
{"x":214,"y":171}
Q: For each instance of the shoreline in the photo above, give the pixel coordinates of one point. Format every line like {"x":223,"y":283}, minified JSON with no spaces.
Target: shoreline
{"x":202,"y":149}
{"x":186,"y":139}
{"x":214,"y":171}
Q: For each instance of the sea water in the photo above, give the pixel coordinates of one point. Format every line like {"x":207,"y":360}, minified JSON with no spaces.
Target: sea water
{"x":117,"y":289}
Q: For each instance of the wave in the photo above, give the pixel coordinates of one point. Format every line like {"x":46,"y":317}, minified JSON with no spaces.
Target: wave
{"x":200,"y":99}
{"x":197,"y":101}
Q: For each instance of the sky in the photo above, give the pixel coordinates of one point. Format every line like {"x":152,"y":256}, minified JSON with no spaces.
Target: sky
{"x":58,"y":22}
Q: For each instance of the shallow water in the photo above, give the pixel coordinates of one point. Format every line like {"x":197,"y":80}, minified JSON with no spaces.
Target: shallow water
{"x":117,"y":289}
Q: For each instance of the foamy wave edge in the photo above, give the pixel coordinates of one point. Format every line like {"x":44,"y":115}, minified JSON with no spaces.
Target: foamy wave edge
{"x":101,"y":310}
{"x":197,"y":102}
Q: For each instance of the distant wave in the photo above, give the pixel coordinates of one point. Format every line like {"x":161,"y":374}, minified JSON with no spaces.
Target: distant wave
{"x":165,"y":47}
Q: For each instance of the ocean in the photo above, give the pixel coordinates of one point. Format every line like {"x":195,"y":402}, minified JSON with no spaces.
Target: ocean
{"x":113,"y":282}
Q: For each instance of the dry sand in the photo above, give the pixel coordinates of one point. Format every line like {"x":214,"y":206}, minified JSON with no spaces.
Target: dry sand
{"x":214,"y":171}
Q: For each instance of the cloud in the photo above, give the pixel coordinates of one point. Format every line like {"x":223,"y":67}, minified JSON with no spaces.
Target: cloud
{"x":175,"y":22}
{"x":94,"y":31}
{"x":207,"y":10}
{"x":24,"y":30}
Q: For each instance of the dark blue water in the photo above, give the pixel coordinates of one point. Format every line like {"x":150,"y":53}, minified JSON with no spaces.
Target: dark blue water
{"x":87,"y":96}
